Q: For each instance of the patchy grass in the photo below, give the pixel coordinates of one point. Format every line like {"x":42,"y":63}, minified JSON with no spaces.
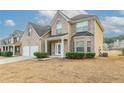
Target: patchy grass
{"x":109,"y":69}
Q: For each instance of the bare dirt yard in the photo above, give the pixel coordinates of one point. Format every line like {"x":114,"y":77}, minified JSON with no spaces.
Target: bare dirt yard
{"x":109,"y":69}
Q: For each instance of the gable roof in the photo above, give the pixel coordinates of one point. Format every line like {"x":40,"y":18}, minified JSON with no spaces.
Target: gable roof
{"x":78,"y":17}
{"x":17,"y":33}
{"x":60,"y":13}
{"x":81,"y":16}
{"x":4,"y":41}
{"x":40,"y":30}
{"x":59,"y":35}
{"x":86,"y":33}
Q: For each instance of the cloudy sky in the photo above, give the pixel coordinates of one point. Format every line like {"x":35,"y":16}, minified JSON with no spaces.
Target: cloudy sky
{"x":113,"y":21}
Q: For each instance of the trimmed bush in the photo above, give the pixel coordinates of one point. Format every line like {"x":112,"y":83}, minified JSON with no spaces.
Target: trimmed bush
{"x":123,"y":51}
{"x":41,"y":54}
{"x":90,"y":55}
{"x":0,"y":53}
{"x":74,"y":55}
{"x":6,"y":54}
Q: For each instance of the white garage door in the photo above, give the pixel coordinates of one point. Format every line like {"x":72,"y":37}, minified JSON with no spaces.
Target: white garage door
{"x":25,"y":51}
{"x":29,"y":50}
{"x":33,"y":49}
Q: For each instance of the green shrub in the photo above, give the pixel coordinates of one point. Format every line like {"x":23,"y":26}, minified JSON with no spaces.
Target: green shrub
{"x":0,"y":53}
{"x":41,"y":54}
{"x":90,"y":55}
{"x":74,"y":55}
{"x":6,"y":54}
{"x":123,"y":51}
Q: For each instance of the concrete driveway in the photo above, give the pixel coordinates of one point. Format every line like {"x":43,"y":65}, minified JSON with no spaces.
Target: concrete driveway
{"x":14,"y":59}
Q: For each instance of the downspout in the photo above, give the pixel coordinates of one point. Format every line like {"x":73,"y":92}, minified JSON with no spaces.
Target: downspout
{"x":94,"y":35}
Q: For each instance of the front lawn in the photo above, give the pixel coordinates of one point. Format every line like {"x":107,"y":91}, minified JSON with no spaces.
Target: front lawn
{"x":109,"y":69}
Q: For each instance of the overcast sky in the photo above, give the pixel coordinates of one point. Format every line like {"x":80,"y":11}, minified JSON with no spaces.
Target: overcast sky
{"x":113,"y":21}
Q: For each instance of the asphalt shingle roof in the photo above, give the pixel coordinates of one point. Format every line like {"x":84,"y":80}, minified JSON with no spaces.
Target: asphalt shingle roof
{"x":81,"y":16}
{"x":17,"y":33}
{"x":41,"y":30}
{"x":59,"y":35}
{"x":86,"y":33}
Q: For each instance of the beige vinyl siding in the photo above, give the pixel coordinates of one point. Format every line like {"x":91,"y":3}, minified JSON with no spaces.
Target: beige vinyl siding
{"x":63,"y":22}
{"x":98,"y":38}
{"x":32,"y":40}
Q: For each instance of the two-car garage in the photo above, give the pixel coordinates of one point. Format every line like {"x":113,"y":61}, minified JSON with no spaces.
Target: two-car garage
{"x":33,"y":39}
{"x":29,"y":50}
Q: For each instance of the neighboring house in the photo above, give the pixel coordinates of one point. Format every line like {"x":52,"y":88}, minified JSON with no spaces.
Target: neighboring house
{"x":33,"y":39}
{"x":105,"y":47}
{"x":82,"y":33}
{"x":12,"y":43}
{"x":118,"y":44}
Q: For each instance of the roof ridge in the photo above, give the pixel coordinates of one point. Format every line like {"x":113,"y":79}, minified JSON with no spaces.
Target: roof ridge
{"x":40,"y":29}
{"x":63,"y":14}
{"x":38,"y":24}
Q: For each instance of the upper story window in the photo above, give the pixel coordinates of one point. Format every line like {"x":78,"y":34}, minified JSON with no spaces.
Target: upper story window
{"x":59,"y":28}
{"x":29,"y":32}
{"x":82,"y":26}
{"x":17,"y":39}
{"x":11,"y":40}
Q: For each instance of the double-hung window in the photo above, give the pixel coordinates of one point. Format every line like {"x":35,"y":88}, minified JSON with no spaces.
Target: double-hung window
{"x":79,"y":46}
{"x":59,"y":28}
{"x":88,"y":46}
{"x":82,"y":26}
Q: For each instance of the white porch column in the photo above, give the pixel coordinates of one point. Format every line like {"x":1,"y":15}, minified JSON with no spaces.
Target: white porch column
{"x":8,"y":48}
{"x":46,"y":46}
{"x":2,"y":49}
{"x":62,"y":47}
{"x":13,"y":50}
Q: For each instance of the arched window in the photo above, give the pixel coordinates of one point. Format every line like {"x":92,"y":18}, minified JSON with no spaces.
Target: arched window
{"x":58,"y":28}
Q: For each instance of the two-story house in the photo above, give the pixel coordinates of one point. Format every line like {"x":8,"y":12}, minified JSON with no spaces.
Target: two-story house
{"x":82,"y":33}
{"x":12,"y":43}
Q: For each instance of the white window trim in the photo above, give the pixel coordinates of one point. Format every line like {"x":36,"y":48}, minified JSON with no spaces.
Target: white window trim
{"x":90,"y":46}
{"x":58,"y":26}
{"x":75,"y":47}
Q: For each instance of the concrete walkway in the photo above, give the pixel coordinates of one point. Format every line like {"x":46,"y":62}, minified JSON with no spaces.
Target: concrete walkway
{"x":13,"y":59}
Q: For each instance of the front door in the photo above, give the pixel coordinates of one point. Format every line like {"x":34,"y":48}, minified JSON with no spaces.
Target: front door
{"x":58,"y":49}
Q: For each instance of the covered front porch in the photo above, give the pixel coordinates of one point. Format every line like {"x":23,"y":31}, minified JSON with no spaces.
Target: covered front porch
{"x":56,"y":46}
{"x":15,"y":49}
